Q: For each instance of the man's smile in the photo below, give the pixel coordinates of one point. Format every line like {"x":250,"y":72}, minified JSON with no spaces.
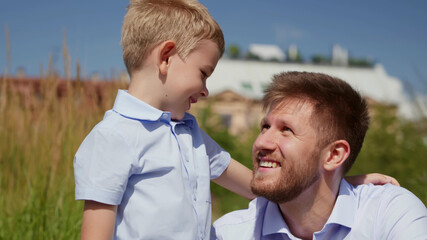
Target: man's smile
{"x":269,"y":164}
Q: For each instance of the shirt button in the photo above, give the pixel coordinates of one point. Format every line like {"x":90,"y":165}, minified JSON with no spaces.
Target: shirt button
{"x":164,"y":116}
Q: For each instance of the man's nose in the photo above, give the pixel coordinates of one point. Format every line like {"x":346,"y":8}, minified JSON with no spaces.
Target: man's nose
{"x":265,"y":140}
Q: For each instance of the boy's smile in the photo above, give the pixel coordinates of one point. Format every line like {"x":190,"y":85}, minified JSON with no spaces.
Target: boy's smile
{"x":186,"y":79}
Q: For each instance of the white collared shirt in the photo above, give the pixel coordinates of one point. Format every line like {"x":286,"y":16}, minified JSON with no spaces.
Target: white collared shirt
{"x":156,"y":170}
{"x":361,"y":212}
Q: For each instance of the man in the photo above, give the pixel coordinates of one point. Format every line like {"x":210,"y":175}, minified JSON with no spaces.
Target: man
{"x":311,"y":136}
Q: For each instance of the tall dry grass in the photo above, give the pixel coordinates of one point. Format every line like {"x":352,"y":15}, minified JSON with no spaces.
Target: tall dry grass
{"x":41,"y":127}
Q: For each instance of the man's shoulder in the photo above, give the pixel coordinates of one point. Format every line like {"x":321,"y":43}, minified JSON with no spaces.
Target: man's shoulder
{"x":240,"y":222}
{"x":389,"y":210}
{"x":387,"y":192}
{"x":373,"y":198}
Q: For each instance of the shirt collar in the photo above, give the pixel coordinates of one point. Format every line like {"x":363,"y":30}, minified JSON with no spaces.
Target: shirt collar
{"x":345,"y":206}
{"x":273,"y":220}
{"x":131,"y":107}
{"x":342,"y":214}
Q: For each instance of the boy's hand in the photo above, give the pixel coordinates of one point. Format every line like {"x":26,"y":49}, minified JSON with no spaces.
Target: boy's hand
{"x":374,"y":178}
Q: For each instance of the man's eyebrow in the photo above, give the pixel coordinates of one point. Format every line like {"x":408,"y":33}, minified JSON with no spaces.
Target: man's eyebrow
{"x":263,"y":121}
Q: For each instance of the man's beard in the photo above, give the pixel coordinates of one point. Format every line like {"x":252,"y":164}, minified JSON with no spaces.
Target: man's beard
{"x":292,"y":182}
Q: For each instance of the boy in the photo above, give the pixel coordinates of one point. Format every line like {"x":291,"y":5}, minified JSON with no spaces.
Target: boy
{"x":144,"y":171}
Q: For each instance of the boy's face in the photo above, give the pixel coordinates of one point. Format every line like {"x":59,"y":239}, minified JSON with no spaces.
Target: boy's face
{"x":186,"y":80}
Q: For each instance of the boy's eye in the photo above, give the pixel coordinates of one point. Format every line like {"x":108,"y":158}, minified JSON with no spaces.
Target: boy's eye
{"x":204,"y":75}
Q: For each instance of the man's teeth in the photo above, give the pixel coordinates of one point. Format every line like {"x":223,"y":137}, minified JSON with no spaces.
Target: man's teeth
{"x":268,"y":164}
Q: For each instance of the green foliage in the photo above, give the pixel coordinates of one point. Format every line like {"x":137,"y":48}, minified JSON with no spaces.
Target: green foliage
{"x":396,"y":148}
{"x":252,"y":56}
{"x":239,"y":147}
{"x":359,"y":62}
{"x":234,"y":51}
{"x":320,"y":59}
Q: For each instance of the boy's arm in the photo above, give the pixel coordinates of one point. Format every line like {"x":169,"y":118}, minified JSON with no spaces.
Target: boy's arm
{"x":236,"y":178}
{"x":374,"y":178}
{"x":98,"y":220}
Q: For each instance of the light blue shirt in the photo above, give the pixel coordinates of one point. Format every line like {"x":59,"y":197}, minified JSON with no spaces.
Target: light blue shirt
{"x":158,"y":171}
{"x":362,"y":212}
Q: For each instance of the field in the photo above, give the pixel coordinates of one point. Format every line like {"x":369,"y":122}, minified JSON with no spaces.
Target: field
{"x":41,"y":127}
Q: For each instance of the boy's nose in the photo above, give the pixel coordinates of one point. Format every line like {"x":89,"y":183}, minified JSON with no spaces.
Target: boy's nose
{"x":204,"y":92}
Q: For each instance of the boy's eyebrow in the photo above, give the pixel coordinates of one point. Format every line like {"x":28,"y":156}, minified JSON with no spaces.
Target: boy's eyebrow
{"x":209,"y":68}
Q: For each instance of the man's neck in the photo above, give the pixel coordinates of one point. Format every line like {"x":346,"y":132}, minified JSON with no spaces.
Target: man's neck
{"x":309,"y":212}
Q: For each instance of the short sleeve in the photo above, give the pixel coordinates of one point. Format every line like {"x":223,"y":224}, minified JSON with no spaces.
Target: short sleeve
{"x":219,"y":159}
{"x":102,"y":166}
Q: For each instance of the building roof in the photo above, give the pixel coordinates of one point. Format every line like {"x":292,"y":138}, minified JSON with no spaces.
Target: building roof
{"x":249,"y":78}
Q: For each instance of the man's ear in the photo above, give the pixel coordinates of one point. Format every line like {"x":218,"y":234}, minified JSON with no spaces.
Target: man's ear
{"x":337,"y":153}
{"x":166,"y":50}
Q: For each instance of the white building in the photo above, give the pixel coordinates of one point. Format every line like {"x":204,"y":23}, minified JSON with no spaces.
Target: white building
{"x":248,"y":79}
{"x":339,"y":56}
{"x":267,"y":52}
{"x":293,"y":52}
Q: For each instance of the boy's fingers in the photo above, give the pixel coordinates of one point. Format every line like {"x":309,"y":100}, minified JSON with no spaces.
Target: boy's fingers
{"x":392,"y":180}
{"x":381,"y":179}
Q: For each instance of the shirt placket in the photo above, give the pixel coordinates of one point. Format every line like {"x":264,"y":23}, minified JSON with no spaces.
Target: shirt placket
{"x":185,"y":145}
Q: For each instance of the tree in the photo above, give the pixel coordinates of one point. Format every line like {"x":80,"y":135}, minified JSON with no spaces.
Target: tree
{"x":359,"y":62}
{"x":234,"y":51}
{"x":320,"y":59}
{"x":394,"y":147}
{"x":252,"y":56}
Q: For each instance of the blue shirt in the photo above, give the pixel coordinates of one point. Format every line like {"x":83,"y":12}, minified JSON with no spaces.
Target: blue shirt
{"x":158,"y":171}
{"x":361,"y":212}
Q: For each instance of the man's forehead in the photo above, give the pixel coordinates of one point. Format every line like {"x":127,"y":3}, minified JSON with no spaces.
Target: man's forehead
{"x":291,"y":106}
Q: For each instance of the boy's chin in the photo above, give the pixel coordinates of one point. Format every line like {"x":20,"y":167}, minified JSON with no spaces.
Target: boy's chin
{"x":177,"y":116}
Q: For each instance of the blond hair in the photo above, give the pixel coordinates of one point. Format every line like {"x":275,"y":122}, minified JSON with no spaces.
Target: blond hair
{"x":147,"y":23}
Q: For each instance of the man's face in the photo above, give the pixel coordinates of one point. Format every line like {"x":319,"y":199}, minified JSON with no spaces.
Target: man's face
{"x":285,"y":153}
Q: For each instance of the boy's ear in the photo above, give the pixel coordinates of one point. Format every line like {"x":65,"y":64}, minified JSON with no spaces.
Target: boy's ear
{"x":336,"y":154}
{"x":166,"y":50}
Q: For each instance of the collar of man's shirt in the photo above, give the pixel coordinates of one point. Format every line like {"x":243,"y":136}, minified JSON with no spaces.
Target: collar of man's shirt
{"x":131,"y":107}
{"x":342,"y":214}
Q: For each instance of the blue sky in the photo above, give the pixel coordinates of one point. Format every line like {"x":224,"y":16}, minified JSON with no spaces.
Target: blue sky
{"x":391,"y":32}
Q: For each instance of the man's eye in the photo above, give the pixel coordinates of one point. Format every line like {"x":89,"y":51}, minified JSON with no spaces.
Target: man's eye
{"x":264,"y":126}
{"x":286,"y":129}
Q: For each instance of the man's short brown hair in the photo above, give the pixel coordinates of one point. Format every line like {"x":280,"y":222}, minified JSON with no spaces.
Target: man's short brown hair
{"x":147,"y":23}
{"x":339,"y":112}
